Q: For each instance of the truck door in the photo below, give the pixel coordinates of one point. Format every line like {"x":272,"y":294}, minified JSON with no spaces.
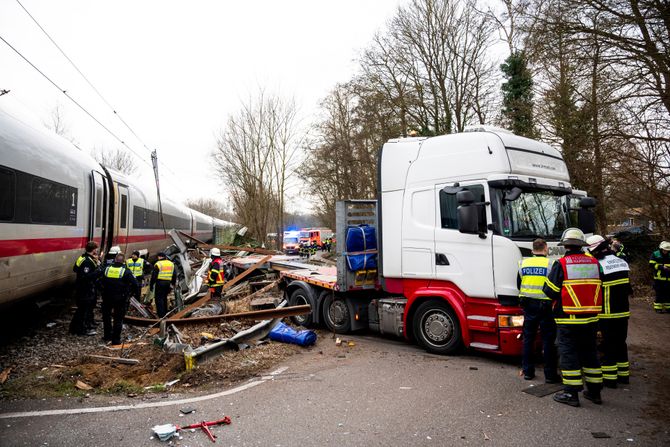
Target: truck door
{"x":464,"y":259}
{"x":98,"y":218}
{"x":122,"y":212}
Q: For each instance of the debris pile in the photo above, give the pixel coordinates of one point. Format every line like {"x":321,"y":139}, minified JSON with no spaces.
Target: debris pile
{"x":200,"y":342}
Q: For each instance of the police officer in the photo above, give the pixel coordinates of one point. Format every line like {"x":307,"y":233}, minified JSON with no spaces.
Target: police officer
{"x":574,"y":284}
{"x":660,"y":262}
{"x":216,"y":276}
{"x":86,"y":268}
{"x":537,"y":312}
{"x":118,"y":284}
{"x":137,"y":266}
{"x":162,"y":278}
{"x":613,"y":320}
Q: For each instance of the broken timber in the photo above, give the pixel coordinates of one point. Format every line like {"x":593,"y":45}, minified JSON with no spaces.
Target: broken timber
{"x":193,"y":238}
{"x":104,"y":358}
{"x":178,"y":316}
{"x":261,"y":251}
{"x":256,"y":314}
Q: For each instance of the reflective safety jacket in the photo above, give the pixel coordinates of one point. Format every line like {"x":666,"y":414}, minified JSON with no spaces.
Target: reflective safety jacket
{"x":657,"y":262}
{"x":575,"y":283}
{"x":118,"y":283}
{"x":165,"y":270}
{"x":216,"y":273}
{"x":533,"y":275}
{"x":616,"y":287}
{"x":136,"y":267}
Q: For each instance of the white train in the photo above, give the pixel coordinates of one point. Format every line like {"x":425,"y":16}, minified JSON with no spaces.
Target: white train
{"x":54,"y":198}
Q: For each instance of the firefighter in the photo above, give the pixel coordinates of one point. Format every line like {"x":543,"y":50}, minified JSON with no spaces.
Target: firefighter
{"x":118,"y":284}
{"x":660,"y":262}
{"x":537,"y":312}
{"x":137,"y":267}
{"x":216,"y":276}
{"x":613,"y":320}
{"x":619,"y":250}
{"x":574,"y":284}
{"x":162,"y":278}
{"x":86,"y":268}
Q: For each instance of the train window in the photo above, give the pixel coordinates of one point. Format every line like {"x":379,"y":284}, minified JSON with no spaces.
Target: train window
{"x":7,"y":194}
{"x":98,"y":207}
{"x":124,"y":210}
{"x":52,"y":203}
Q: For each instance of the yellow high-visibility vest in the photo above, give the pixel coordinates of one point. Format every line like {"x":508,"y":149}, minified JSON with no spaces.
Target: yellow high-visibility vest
{"x":533,"y":272}
{"x":114,"y":272}
{"x":136,"y":267}
{"x":165,"y":270}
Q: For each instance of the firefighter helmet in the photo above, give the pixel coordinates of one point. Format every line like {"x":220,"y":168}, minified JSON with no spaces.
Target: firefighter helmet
{"x":573,"y":237}
{"x":215,"y":252}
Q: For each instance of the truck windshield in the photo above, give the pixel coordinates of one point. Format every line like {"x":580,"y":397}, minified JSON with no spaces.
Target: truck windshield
{"x":534,"y":214}
{"x":290,"y":240}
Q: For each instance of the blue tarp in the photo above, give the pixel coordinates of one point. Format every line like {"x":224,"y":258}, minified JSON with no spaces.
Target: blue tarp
{"x":286,"y":334}
{"x":361,"y":238}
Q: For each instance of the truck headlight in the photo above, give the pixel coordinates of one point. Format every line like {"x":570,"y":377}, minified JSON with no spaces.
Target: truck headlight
{"x":510,"y":320}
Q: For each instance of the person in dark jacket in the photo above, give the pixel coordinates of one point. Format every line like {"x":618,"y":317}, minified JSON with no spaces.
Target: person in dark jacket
{"x":163,"y":277}
{"x":118,"y":284}
{"x":660,"y":262}
{"x":574,"y":284}
{"x":86,"y":268}
{"x":613,"y":320}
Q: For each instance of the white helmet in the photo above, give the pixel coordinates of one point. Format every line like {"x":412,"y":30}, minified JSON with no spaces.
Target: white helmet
{"x":115,"y":250}
{"x":665,"y":245}
{"x":573,"y":237}
{"x":215,"y":252}
{"x":594,"y":241}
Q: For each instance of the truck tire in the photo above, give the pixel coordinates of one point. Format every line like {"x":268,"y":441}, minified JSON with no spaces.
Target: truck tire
{"x":436,"y":328}
{"x":299,"y":297}
{"x":336,"y":314}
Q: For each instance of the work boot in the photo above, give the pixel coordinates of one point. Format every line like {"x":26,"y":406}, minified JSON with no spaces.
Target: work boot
{"x":528,"y":376}
{"x":568,"y":398}
{"x":609,"y":383}
{"x":556,"y":379}
{"x":91,"y":332}
{"x":593,"y":396}
{"x":623,"y":380}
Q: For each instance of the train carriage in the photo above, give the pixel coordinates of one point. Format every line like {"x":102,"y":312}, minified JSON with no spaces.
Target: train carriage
{"x":54,"y":198}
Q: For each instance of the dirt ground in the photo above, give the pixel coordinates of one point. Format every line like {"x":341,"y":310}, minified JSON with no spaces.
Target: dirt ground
{"x":49,"y":362}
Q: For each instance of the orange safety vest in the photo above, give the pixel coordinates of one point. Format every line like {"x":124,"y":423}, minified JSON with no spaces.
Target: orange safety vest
{"x":581,"y":293}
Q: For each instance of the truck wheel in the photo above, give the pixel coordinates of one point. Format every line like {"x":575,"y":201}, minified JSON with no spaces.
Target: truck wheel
{"x":300,"y":297}
{"x":336,"y":315}
{"x":436,"y":328}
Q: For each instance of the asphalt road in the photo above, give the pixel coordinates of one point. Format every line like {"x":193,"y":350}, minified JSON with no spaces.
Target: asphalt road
{"x":378,"y":392}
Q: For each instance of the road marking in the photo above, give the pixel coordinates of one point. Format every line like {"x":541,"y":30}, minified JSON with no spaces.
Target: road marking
{"x":189,"y":400}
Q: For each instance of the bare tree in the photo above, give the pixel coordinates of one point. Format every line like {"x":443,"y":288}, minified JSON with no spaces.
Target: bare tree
{"x":212,"y":208}
{"x":117,"y":159}
{"x":255,"y":155}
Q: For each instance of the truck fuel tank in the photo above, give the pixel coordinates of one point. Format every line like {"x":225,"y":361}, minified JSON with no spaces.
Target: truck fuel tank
{"x":385,"y":315}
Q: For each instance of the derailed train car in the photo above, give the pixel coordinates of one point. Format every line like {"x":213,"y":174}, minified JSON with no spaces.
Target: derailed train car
{"x":54,"y":198}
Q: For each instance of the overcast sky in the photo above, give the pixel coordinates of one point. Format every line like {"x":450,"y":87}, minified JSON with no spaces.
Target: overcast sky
{"x":175,"y":70}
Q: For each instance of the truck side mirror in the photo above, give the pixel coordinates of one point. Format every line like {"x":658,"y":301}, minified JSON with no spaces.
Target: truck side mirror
{"x":585,"y":216}
{"x":465,"y":197}
{"x":468,"y":221}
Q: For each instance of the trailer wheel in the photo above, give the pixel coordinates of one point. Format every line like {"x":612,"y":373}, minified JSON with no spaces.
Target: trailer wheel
{"x":300,"y":297}
{"x":336,"y":314}
{"x":436,"y":328}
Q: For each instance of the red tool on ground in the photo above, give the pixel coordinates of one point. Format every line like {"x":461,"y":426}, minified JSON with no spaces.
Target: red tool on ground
{"x":204,"y":426}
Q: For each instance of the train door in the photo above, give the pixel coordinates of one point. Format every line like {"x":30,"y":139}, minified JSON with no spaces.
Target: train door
{"x":122,"y":212}
{"x":98,"y":217}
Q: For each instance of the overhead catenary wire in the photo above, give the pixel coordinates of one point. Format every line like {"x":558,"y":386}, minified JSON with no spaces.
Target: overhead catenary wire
{"x":112,"y":108}
{"x":74,"y":101}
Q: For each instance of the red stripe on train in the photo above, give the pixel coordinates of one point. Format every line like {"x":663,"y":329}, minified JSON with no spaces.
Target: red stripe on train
{"x":19,"y":247}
